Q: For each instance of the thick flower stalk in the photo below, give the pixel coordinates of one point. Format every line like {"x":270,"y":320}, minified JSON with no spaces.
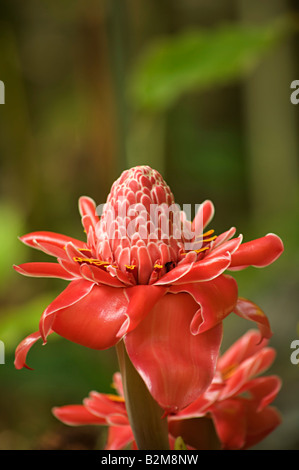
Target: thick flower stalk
{"x":151,"y":279}
{"x":221,"y":418}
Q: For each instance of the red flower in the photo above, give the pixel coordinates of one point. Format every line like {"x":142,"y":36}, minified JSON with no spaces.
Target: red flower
{"x":237,"y":401}
{"x":134,"y":279}
{"x":220,"y":418}
{"x":102,"y":410}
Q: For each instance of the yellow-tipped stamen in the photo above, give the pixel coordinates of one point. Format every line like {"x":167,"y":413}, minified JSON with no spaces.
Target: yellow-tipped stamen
{"x":206,"y":234}
{"x":205,"y":240}
{"x":197,"y":251}
{"x":209,"y":232}
{"x":202,"y":249}
{"x":115,"y":398}
{"x":93,"y":261}
{"x":130,"y":266}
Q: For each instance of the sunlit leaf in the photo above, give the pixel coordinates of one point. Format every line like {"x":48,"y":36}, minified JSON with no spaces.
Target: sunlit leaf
{"x":197,"y":60}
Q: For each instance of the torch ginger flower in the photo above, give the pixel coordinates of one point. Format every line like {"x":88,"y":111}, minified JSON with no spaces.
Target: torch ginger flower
{"x":237,"y":402}
{"x":221,"y":418}
{"x":163,"y":290}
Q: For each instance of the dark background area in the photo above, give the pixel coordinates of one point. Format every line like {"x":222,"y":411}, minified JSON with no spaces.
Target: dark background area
{"x":87,"y":96}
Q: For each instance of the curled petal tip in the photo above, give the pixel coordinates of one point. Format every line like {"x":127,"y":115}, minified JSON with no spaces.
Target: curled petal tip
{"x":19,"y":268}
{"x":22,"y":350}
{"x":86,"y":205}
{"x":259,"y":253}
{"x":27,"y":240}
{"x":277,"y":240}
{"x":277,"y":245}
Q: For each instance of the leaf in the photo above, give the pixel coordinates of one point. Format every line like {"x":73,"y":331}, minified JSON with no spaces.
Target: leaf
{"x":179,"y":444}
{"x":197,"y":60}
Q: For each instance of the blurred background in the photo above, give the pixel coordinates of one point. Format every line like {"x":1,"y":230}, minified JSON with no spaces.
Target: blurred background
{"x":200,"y":91}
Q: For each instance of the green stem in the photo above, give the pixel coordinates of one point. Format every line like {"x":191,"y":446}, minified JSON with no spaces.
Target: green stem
{"x":145,"y":415}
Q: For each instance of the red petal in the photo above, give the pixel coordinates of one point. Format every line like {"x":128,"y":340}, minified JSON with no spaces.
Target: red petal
{"x":74,"y":292}
{"x":51,"y":249}
{"x":95,"y":319}
{"x":99,"y":276}
{"x":260,"y":252}
{"x":242,"y":349}
{"x":23,"y":348}
{"x":70,"y":266}
{"x":230,"y":420}
{"x":77,"y":415}
{"x":198,"y":407}
{"x":87,"y":207}
{"x":71,"y":251}
{"x":44,"y":270}
{"x":250,"y":311}
{"x":203,"y":216}
{"x":108,"y":407}
{"x":175,"y":365}
{"x":264,"y":390}
{"x":124,"y":278}
{"x":145,"y":266}
{"x":260,"y":424}
{"x":216,"y":300}
{"x":223,"y":237}
{"x":55,"y":239}
{"x":119,"y":437}
{"x":245,"y":371}
{"x":204,"y":270}
{"x":228,"y":246}
{"x":141,"y":300}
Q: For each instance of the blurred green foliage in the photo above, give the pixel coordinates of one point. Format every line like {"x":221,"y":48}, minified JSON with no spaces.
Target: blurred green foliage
{"x":10,"y":247}
{"x":200,"y":59}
